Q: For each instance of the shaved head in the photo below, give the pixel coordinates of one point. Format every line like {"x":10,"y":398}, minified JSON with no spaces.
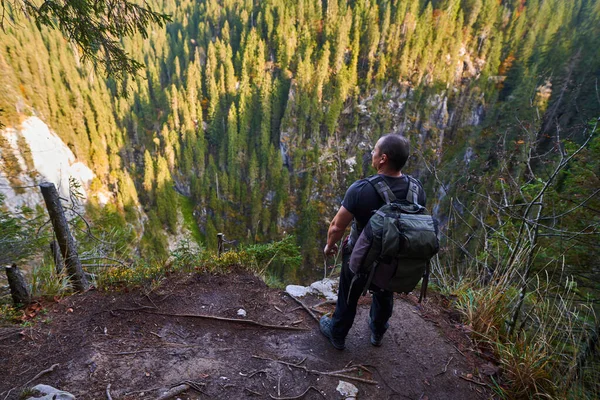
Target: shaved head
{"x":396,"y":148}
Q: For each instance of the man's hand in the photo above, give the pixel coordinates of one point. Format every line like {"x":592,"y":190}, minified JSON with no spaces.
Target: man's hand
{"x":336,"y":230}
{"x":330,"y":251}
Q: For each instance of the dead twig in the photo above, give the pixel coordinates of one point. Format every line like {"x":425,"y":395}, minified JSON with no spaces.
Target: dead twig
{"x":445,"y":367}
{"x":252,"y":392}
{"x":108,"y":396}
{"x":241,"y":321}
{"x":472,"y":381}
{"x":299,"y":396}
{"x":338,"y":374}
{"x":197,"y":386}
{"x":250,"y":375}
{"x":279,"y":386}
{"x":148,"y":297}
{"x":305,"y":307}
{"x":463,"y":354}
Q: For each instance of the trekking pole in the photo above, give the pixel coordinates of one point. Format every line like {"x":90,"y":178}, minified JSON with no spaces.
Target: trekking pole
{"x":335,"y":261}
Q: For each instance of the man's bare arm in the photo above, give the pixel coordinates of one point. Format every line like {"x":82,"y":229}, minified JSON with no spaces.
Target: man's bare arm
{"x":336,"y":230}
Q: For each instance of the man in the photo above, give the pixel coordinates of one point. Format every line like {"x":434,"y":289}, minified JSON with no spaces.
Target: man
{"x":361,"y":200}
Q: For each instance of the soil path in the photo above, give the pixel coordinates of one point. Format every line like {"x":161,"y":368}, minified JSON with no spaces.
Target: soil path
{"x":119,"y":339}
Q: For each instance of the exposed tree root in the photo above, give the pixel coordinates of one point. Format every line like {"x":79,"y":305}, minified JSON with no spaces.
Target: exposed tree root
{"x":338,"y":374}
{"x":241,"y":321}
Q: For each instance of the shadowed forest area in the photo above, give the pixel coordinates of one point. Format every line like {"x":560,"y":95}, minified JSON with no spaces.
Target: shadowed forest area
{"x":252,"y":118}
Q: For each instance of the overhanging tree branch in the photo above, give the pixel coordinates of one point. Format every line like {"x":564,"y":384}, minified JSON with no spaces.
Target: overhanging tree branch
{"x":96,"y":27}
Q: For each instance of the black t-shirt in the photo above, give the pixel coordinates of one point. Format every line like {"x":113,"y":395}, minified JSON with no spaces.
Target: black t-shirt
{"x":362,"y":199}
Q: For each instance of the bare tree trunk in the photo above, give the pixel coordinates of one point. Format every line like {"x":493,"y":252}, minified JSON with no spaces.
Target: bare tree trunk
{"x":57,"y":257}
{"x":530,"y":258}
{"x":63,"y":236}
{"x":220,"y":248}
{"x":18,"y":285}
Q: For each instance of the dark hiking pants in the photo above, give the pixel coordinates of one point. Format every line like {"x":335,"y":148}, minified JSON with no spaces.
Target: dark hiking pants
{"x":345,"y":309}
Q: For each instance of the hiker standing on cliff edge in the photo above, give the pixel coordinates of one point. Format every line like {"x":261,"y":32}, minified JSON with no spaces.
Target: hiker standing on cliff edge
{"x":360,"y":202}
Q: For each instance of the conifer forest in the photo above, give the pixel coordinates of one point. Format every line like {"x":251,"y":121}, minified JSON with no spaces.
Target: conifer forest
{"x":252,"y":118}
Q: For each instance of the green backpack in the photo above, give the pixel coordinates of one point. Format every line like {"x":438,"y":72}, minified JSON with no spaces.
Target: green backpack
{"x":397,"y":244}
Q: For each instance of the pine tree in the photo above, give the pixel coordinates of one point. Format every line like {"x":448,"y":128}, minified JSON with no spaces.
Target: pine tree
{"x":149,"y":177}
{"x":166,"y":200}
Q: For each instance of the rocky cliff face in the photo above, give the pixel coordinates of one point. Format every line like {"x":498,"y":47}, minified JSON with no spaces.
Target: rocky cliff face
{"x":32,"y":154}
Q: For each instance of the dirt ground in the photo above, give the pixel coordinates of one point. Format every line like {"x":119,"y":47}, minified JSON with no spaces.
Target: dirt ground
{"x":144,"y":342}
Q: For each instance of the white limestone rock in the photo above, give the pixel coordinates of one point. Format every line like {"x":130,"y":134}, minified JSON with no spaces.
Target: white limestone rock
{"x":347,"y":390}
{"x":297,"y":290}
{"x":53,"y":161}
{"x":49,"y":393}
{"x":327,"y":287}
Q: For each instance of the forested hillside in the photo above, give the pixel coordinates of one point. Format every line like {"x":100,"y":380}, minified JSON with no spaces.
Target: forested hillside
{"x":252,"y":118}
{"x":262,"y":113}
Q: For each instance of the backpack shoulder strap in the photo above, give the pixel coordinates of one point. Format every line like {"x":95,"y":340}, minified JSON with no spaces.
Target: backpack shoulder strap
{"x":382,"y":188}
{"x":412,"y":195}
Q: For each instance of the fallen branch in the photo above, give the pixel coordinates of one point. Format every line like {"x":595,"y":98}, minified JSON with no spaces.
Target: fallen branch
{"x":44,"y":372}
{"x":241,"y":321}
{"x":337,"y":374}
{"x":180,"y":388}
{"x":304,"y":306}
{"x":174,"y":392}
{"x":108,"y":396}
{"x":299,"y":396}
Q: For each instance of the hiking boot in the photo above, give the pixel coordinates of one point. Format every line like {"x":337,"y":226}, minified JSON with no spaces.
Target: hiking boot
{"x":325,"y":327}
{"x":376,"y":339}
